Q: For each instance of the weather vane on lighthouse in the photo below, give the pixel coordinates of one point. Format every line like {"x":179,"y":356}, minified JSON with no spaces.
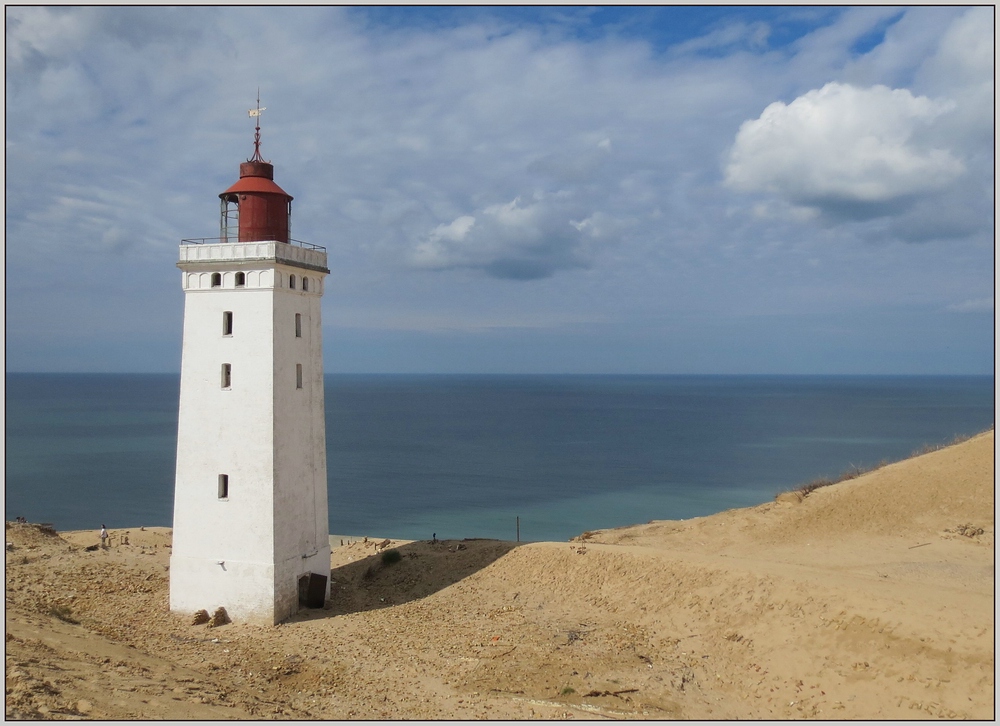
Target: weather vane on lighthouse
{"x":255,"y":113}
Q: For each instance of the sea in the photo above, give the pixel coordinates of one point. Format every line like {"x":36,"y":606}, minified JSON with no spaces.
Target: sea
{"x":534,"y":457}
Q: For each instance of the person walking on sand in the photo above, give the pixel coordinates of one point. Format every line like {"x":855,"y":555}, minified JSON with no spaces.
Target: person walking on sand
{"x":104,"y":537}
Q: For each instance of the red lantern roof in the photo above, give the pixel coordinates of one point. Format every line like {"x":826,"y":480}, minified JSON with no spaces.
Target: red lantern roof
{"x":256,"y":177}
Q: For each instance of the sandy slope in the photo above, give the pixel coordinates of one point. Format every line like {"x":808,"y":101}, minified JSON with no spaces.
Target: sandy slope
{"x":857,"y":602}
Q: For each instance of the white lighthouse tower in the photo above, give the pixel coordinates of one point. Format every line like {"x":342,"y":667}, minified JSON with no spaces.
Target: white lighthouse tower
{"x":251,"y":532}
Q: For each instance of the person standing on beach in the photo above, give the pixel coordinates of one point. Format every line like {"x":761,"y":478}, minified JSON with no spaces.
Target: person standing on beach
{"x":104,"y":537}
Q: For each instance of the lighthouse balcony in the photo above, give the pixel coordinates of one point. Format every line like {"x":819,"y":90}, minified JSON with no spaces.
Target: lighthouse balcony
{"x":214,"y":249}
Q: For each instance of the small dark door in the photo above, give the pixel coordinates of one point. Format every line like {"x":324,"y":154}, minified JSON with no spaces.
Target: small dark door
{"x":312,"y":590}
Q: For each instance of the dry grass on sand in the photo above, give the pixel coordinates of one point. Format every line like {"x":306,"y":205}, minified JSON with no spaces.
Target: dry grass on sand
{"x":873,"y":598}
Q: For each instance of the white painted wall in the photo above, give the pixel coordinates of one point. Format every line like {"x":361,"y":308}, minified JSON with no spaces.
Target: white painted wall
{"x":300,"y":485}
{"x":266,"y":434}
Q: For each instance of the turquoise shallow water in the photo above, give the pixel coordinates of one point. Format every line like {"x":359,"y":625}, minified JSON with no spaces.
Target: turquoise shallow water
{"x":463,"y":456}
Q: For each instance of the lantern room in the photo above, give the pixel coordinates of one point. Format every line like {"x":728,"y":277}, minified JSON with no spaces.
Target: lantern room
{"x":257,"y":207}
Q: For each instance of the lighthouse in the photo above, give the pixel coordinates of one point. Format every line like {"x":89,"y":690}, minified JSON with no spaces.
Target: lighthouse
{"x":251,"y":529}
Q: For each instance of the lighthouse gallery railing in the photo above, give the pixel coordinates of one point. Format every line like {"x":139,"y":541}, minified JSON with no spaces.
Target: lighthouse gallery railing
{"x":226,"y":240}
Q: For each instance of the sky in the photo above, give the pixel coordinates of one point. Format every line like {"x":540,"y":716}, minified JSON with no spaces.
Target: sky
{"x":649,"y":190}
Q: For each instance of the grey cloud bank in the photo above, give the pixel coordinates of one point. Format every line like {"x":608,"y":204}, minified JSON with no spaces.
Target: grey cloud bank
{"x":513,"y":196}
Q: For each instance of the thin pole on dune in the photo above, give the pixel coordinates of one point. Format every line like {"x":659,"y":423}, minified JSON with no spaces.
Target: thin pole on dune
{"x":518,"y":528}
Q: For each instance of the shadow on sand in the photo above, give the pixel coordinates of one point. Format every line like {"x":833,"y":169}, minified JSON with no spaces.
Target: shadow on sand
{"x":415,"y":571}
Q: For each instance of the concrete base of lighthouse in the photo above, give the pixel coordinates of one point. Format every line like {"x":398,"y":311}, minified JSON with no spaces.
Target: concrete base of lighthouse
{"x":237,"y":586}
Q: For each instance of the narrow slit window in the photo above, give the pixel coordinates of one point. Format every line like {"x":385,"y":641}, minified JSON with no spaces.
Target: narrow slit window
{"x":223,"y":486}
{"x":305,"y":284}
{"x":298,"y":375}
{"x":216,"y":279}
{"x":241,"y":279}
{"x":227,"y":323}
{"x":298,"y":325}
{"x":227,"y":376}
{"x":291,"y":282}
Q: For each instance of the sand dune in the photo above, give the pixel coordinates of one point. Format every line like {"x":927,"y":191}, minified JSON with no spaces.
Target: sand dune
{"x":867,"y":599}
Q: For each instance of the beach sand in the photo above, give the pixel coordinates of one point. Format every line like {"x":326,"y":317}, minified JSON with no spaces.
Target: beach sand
{"x":869,"y":599}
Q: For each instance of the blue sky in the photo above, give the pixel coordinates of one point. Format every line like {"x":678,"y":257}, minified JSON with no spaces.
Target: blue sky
{"x":519,"y":190}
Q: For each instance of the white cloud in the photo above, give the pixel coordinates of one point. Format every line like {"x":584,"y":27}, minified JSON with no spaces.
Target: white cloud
{"x":966,"y":52}
{"x":513,"y":240}
{"x":854,"y":152}
{"x":434,"y":251}
{"x":961,"y":69}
